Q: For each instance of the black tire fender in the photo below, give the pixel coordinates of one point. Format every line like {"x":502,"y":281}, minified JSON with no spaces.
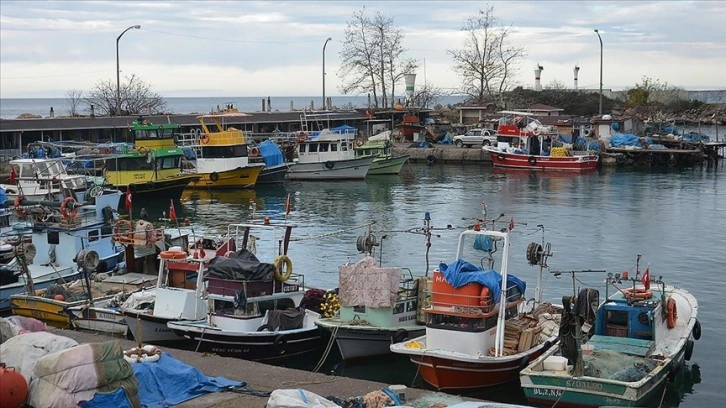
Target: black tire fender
{"x":523,"y":363}
{"x":546,"y":345}
{"x":265,"y":327}
{"x":280,"y":343}
{"x":431,"y":159}
{"x":697,"y":330}
{"x":214,"y":176}
{"x":532,"y":160}
{"x":400,"y":335}
{"x":500,"y":156}
{"x":688,"y":350}
{"x":329,"y":165}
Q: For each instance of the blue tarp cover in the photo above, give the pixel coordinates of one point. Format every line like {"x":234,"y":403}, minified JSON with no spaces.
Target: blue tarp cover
{"x":343,"y":129}
{"x":165,"y":383}
{"x":271,"y":153}
{"x":624,"y":139}
{"x":460,"y":272}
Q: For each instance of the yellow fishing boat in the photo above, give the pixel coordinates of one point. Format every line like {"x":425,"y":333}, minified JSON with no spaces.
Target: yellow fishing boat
{"x":222,"y":153}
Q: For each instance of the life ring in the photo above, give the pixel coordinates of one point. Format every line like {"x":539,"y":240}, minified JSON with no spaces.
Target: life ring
{"x":214,"y":176}
{"x":254,"y":151}
{"x":400,"y":335}
{"x":697,"y":330}
{"x":329,"y":165}
{"x":302,"y":136}
{"x":532,"y":160}
{"x":485,"y":300}
{"x":500,"y":156}
{"x":172,"y":255}
{"x":277,"y":265}
{"x":64,"y":208}
{"x":586,"y":133}
{"x":280,"y":343}
{"x":672,"y":313}
{"x":638,"y":294}
{"x":229,"y":253}
{"x":204,"y":138}
{"x":431,"y":159}
{"x":142,"y":150}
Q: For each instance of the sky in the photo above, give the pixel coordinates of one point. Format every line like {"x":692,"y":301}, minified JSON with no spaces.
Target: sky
{"x":258,"y":48}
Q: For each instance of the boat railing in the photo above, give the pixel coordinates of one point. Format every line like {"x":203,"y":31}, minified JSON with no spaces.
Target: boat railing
{"x":227,"y":289}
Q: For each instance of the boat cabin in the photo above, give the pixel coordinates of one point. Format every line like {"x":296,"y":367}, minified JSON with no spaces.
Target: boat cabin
{"x":520,"y":132}
{"x":152,"y":136}
{"x":326,"y":146}
{"x":143,"y":166}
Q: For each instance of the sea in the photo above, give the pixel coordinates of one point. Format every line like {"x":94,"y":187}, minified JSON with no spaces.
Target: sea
{"x":673,"y":220}
{"x":11,"y":108}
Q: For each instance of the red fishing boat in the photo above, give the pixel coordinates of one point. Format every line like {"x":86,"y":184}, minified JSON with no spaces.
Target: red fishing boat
{"x":409,"y":125}
{"x":524,"y":143}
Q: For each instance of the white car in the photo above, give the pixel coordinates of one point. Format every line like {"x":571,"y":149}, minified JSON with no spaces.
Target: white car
{"x":479,"y":137}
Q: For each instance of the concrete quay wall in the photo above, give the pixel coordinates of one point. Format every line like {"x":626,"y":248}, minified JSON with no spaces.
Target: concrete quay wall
{"x":448,"y":154}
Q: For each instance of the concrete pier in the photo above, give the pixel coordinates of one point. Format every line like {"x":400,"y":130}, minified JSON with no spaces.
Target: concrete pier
{"x":442,"y":153}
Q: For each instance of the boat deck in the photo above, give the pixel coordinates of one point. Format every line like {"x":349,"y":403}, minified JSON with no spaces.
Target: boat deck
{"x":636,"y":347}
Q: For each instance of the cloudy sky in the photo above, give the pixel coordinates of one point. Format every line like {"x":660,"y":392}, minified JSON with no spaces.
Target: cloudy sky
{"x":248,"y":48}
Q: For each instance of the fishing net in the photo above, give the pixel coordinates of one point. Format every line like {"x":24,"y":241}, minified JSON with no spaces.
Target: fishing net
{"x":618,"y":366}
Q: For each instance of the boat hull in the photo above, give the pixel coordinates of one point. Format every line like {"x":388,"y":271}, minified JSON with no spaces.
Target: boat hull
{"x":149,"y":328}
{"x":53,"y":312}
{"x":356,"y":342}
{"x":18,"y":288}
{"x":241,"y":177}
{"x":273,"y":174}
{"x":350,"y":169}
{"x":387,"y":165}
{"x":577,"y":163}
{"x":447,"y":373}
{"x":167,"y":188}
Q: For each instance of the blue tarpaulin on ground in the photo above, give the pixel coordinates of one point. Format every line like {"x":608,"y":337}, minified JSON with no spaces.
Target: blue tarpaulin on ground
{"x":460,"y":272}
{"x":271,"y":153}
{"x":165,"y":383}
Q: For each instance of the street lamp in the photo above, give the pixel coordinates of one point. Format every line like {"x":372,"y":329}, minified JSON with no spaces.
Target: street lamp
{"x":118,"y":70}
{"x":325,"y":105}
{"x":600,"y":38}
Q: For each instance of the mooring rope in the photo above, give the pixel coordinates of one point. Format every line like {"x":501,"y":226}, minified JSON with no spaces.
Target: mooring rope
{"x":330,"y":234}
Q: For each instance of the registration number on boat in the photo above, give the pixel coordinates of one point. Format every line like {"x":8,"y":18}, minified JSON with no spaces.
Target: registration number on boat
{"x":584,"y":384}
{"x":547,"y":393}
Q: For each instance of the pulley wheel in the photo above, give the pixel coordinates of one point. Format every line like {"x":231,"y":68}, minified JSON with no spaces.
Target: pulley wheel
{"x":534,"y":253}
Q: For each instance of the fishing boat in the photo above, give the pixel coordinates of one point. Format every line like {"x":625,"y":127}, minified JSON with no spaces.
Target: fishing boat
{"x":39,"y":177}
{"x":275,"y":170}
{"x":523,"y":142}
{"x":255,"y":308}
{"x":222,"y":154}
{"x":480,"y":332}
{"x":178,"y":291}
{"x":643,"y":333}
{"x":152,"y":168}
{"x":329,"y":154}
{"x":409,"y":126}
{"x":364,"y":323}
{"x":68,"y":240}
{"x":381,"y":147}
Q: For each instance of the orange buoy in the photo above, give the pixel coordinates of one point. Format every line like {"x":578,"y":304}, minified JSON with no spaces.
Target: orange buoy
{"x":59,"y":297}
{"x":13,"y":387}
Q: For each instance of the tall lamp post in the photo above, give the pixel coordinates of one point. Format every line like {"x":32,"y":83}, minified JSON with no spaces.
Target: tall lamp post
{"x":118,"y":70}
{"x":600,"y":38}
{"x":325,"y":105}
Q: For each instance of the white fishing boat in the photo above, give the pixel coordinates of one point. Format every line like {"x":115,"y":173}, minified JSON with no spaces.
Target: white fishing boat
{"x":42,"y":178}
{"x":643,"y":334}
{"x":329,"y":154}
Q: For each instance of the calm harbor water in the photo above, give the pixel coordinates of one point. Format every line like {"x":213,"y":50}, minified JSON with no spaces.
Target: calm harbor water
{"x":675,"y":219}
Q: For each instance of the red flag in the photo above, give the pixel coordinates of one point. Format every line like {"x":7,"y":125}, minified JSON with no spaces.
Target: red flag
{"x":646,"y":278}
{"x":172,"y":211}
{"x":13,"y":175}
{"x":511,"y":224}
{"x":128,"y":200}
{"x":287,"y":205}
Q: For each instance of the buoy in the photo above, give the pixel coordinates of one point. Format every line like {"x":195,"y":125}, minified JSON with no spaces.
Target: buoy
{"x":13,"y":387}
{"x":59,"y":297}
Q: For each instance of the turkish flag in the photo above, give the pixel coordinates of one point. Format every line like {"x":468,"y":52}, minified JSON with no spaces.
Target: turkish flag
{"x":172,"y":211}
{"x":127,"y":204}
{"x":13,"y":175}
{"x":646,"y":278}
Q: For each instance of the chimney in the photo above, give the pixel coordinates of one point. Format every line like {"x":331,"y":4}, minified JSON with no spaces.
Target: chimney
{"x":577,"y":70}
{"x":537,"y":71}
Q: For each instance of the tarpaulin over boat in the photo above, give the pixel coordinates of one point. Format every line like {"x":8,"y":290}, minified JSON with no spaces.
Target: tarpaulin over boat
{"x":271,"y":153}
{"x":365,"y":284}
{"x":241,"y":265}
{"x":460,"y":272}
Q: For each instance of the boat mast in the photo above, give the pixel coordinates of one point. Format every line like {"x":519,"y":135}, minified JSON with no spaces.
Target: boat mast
{"x":499,"y":341}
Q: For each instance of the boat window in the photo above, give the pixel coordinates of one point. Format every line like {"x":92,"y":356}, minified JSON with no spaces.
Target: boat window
{"x":303,"y":148}
{"x":460,"y":323}
{"x":359,"y":309}
{"x":171,"y":162}
{"x":324,"y":147}
{"x":333,"y":147}
{"x":312,"y":148}
{"x":92,"y":235}
{"x":129,"y":164}
{"x":616,"y":323}
{"x":53,"y":237}
{"x":223,"y":152}
{"x":399,"y":308}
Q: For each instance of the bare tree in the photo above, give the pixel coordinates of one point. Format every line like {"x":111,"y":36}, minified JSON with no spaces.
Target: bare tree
{"x":136,"y":98}
{"x":74,"y":97}
{"x":556,"y":85}
{"x":371,"y":55}
{"x":428,"y":94}
{"x":487,"y":62}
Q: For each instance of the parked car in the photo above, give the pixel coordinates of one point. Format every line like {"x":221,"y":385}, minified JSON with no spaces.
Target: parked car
{"x":479,"y":137}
